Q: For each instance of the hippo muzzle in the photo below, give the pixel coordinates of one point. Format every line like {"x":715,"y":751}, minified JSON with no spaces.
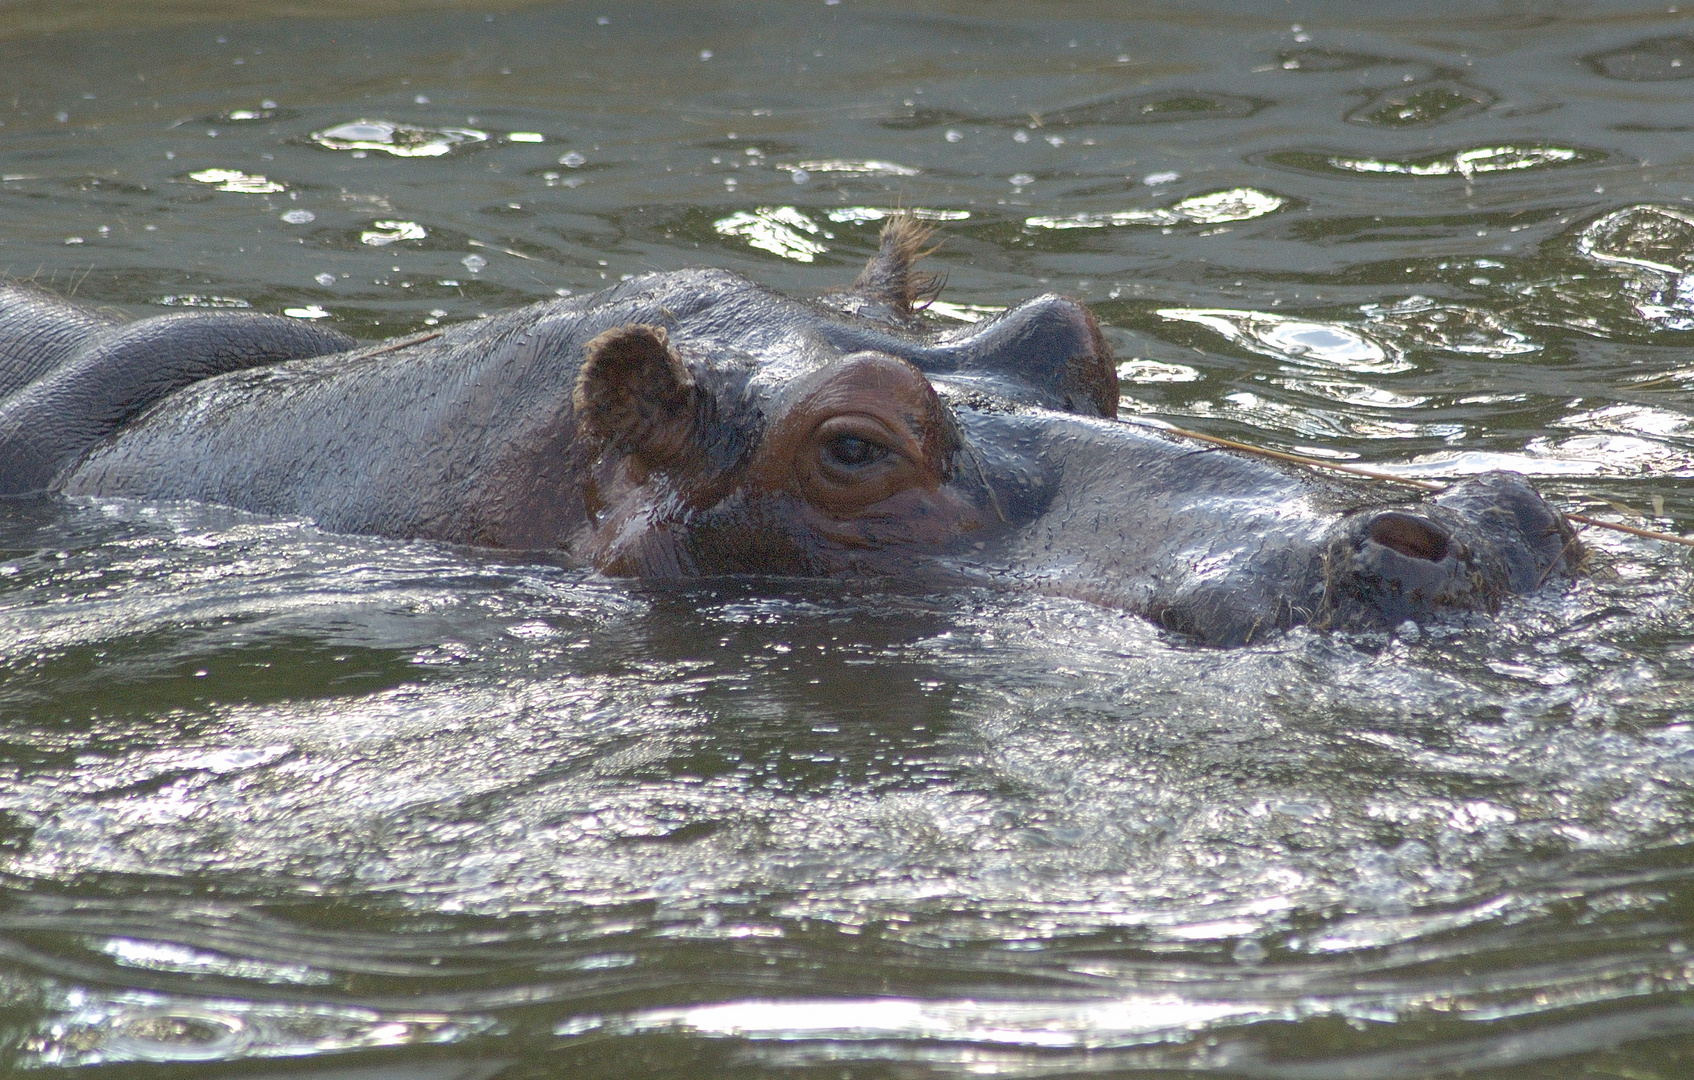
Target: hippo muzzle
{"x":1465,"y":550}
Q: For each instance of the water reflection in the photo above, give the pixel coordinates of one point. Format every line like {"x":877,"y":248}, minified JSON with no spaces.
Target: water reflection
{"x":400,"y":140}
{"x":1479,"y":161}
{"x":235,"y":180}
{"x":383,"y":233}
{"x":1299,"y":341}
{"x":780,"y":230}
{"x":1653,"y":60}
{"x":1422,"y":104}
{"x":1241,"y":204}
{"x":150,"y":1028}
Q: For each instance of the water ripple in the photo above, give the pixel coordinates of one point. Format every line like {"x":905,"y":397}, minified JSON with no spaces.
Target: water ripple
{"x":400,"y":140}
{"x":1299,"y":341}
{"x":1237,"y":204}
{"x":1478,"y":161}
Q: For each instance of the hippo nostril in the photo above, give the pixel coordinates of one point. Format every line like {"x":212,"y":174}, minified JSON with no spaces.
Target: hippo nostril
{"x":1410,"y":535}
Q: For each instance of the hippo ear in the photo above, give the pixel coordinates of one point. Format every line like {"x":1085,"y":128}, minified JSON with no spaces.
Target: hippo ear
{"x":891,"y":275}
{"x":635,"y":394}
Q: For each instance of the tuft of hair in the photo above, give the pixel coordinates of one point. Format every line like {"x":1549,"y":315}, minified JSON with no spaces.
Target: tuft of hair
{"x":891,"y":275}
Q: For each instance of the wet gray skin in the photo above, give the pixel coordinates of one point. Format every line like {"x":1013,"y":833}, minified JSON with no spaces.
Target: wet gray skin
{"x":693,"y":424}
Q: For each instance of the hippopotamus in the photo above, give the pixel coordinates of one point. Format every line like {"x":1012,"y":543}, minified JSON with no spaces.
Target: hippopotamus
{"x":694,"y":423}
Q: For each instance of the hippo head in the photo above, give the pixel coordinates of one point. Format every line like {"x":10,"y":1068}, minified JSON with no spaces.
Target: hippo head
{"x":856,"y":441}
{"x":713,"y":469}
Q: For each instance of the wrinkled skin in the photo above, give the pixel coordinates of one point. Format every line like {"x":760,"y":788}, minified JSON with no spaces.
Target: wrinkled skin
{"x":694,"y":423}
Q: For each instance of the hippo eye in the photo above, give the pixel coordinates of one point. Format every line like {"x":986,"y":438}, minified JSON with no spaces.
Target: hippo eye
{"x":855,"y":460}
{"x":852,"y":452}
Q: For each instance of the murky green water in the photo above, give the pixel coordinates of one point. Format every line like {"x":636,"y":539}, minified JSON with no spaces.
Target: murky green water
{"x":371,"y":809}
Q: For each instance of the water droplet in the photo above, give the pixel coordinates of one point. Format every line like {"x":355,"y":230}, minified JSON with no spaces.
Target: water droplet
{"x":325,"y":279}
{"x":800,"y":176}
{"x":1020,"y":136}
{"x":1155,"y":179}
{"x":573,"y":160}
{"x":474,"y":263}
{"x":310,"y":311}
{"x":705,"y":54}
{"x":73,"y":240}
{"x":525,"y":137}
{"x":1020,"y":180}
{"x":299,"y":217}
{"x":954,"y":135}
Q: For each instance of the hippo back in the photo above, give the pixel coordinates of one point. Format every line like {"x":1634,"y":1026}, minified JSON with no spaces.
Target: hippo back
{"x":69,"y":378}
{"x":39,"y":332}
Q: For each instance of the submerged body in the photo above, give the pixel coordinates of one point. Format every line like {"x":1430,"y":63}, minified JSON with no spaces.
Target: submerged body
{"x":694,"y":423}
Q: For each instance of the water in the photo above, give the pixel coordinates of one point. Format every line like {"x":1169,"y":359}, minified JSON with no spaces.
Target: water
{"x":277,"y":802}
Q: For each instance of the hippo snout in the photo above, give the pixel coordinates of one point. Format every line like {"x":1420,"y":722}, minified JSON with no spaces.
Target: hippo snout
{"x":1467,"y":549}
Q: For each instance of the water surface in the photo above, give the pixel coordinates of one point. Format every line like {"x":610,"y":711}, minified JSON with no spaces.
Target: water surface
{"x":280,"y":802}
